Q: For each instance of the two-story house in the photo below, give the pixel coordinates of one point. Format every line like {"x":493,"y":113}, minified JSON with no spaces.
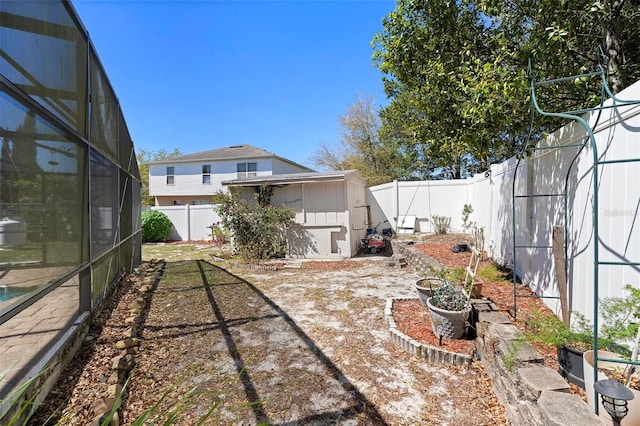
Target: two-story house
{"x":194,"y":178}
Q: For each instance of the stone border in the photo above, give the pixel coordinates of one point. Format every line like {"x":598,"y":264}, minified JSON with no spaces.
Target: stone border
{"x":145,"y":280}
{"x":430,"y":353}
{"x":532,"y":392}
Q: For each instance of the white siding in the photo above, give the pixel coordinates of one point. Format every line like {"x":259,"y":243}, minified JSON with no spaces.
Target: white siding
{"x":357,"y":218}
{"x":188,"y":177}
{"x":280,"y":167}
{"x":325,"y":203}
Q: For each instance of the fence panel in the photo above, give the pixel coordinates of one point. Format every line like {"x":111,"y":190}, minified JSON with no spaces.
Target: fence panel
{"x":190,"y":223}
{"x":552,"y":172}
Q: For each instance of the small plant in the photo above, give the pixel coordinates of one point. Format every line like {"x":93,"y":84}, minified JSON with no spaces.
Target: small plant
{"x":513,"y":348}
{"x":156,"y":226}
{"x":467,"y":209}
{"x":442,"y":224}
{"x":449,"y":298}
{"x":218,"y":235}
{"x":621,"y":315}
{"x":492,"y":273}
{"x":455,"y":275}
{"x":548,"y":329}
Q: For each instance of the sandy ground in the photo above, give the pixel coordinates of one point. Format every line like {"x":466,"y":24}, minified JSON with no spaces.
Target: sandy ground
{"x":302,"y":345}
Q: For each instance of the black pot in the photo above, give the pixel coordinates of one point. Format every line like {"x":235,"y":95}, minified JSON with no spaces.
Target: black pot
{"x":571,"y":367}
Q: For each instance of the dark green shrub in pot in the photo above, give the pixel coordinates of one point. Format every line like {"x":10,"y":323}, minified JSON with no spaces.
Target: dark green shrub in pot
{"x":156,"y":226}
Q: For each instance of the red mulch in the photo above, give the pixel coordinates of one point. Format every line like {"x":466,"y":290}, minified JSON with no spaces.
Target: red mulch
{"x":414,"y":320}
{"x":410,"y":316}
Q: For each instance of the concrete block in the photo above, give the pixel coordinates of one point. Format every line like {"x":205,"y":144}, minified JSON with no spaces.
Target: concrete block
{"x":493,"y":317}
{"x":535,"y":379}
{"x":565,"y":409}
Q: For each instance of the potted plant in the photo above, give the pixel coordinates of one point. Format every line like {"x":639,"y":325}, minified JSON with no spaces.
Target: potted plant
{"x":570,"y":343}
{"x":426,"y":288}
{"x":620,"y":321}
{"x":450,"y":311}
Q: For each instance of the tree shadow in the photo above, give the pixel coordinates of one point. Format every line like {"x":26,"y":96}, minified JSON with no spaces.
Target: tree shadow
{"x":220,"y":294}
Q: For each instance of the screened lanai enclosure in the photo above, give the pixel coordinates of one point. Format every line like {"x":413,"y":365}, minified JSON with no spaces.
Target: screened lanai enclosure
{"x":69,"y":191}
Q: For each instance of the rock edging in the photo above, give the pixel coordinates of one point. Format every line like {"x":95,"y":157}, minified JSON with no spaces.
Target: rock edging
{"x":104,"y":407}
{"x":533,"y":393}
{"x":430,"y":353}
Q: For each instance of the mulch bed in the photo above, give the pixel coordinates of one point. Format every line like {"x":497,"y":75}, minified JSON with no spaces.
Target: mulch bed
{"x":414,"y":320}
{"x":499,"y":292}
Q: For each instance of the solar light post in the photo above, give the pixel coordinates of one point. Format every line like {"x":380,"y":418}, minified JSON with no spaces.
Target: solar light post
{"x":614,"y":398}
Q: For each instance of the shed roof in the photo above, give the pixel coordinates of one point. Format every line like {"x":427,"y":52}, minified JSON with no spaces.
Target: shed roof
{"x":286,"y":179}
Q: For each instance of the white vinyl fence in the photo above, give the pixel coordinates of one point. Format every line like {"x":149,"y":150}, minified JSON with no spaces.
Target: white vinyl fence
{"x":190,"y":223}
{"x":540,"y":179}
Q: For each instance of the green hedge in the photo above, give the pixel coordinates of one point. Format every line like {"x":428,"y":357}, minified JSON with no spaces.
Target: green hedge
{"x":156,"y":226}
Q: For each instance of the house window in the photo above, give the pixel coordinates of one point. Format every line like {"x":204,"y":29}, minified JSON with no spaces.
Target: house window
{"x":170,"y":175}
{"x":246,"y":170}
{"x":206,"y":174}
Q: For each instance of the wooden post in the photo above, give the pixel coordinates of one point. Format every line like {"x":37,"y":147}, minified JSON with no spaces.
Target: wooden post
{"x":561,"y":273}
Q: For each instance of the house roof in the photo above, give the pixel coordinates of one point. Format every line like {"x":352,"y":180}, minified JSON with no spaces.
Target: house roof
{"x":285,"y":179}
{"x":235,"y":152}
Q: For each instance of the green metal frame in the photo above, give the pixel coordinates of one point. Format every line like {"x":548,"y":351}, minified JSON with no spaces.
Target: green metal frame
{"x":575,"y":116}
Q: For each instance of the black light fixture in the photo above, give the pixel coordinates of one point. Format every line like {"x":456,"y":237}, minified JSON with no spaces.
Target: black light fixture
{"x":614,"y":398}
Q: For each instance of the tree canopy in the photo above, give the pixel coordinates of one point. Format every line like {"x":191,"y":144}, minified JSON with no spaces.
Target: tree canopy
{"x":456,"y":73}
{"x":361,"y":147}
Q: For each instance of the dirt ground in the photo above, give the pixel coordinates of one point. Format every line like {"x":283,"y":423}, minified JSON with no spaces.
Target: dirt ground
{"x":306,"y":344}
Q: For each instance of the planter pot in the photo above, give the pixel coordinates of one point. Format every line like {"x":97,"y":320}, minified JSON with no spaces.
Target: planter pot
{"x":633,"y":417}
{"x":449,"y":325}
{"x":571,"y":365}
{"x":426,"y":288}
{"x":476,"y":289}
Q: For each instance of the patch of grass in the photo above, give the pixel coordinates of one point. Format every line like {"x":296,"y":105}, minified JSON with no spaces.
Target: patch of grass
{"x":455,"y":275}
{"x":314,"y":294}
{"x":344,"y":295}
{"x":492,"y":273}
{"x":513,"y":348}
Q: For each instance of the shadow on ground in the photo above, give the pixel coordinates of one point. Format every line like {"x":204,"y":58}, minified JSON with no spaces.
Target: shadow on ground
{"x":212,"y":332}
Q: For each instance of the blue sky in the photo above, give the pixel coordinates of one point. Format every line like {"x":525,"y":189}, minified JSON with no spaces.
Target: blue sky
{"x":199,"y":75}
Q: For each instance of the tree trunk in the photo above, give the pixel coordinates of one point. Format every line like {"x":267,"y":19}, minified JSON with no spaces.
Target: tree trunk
{"x":613,"y":47}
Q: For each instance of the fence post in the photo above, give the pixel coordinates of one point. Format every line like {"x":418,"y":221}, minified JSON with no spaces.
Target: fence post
{"x":396,"y":203}
{"x":188,"y":212}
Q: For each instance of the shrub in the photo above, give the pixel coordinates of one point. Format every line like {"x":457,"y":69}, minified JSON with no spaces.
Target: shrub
{"x":441,"y":224}
{"x":156,"y":226}
{"x":259,"y":229}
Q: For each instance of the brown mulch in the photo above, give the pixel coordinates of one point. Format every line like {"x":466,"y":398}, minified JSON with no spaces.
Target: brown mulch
{"x":414,"y":320}
{"x":499,"y":292}
{"x":85,"y":378}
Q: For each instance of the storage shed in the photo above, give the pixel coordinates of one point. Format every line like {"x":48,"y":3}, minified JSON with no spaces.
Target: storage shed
{"x":331,"y":212}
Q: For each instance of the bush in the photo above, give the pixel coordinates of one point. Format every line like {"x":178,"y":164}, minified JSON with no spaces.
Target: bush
{"x":156,"y":226}
{"x":441,"y":224}
{"x":259,"y":229}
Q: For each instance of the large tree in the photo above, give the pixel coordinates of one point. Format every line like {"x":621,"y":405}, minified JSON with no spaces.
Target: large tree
{"x":360,"y":146}
{"x":456,"y":72}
